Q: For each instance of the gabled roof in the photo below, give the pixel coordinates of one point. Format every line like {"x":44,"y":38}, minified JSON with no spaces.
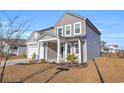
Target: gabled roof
{"x":83,"y":18}
{"x":46,"y":29}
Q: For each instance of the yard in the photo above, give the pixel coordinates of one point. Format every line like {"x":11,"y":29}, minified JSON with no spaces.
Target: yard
{"x":111,"y":69}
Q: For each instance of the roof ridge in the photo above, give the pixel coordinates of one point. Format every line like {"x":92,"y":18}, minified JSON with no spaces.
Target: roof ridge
{"x":48,"y":28}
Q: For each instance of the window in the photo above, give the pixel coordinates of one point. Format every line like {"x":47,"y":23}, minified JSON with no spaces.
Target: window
{"x":59,"y":31}
{"x":68,"y":49}
{"x":68,"y":30}
{"x":77,"y":28}
{"x":76,"y":47}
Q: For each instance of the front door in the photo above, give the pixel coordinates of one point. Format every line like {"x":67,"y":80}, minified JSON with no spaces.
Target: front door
{"x":62,"y":49}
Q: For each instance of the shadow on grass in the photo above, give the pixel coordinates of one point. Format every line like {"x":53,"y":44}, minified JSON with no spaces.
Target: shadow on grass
{"x":33,"y":74}
{"x":56,"y":73}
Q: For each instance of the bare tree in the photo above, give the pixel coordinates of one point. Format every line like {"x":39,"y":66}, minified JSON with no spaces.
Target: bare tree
{"x":13,"y":31}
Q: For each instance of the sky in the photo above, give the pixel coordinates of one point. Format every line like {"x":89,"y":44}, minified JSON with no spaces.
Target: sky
{"x":109,"y":22}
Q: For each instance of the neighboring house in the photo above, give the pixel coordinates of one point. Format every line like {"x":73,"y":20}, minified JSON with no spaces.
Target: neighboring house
{"x":18,"y":49}
{"x":72,"y":34}
{"x":104,"y":48}
{"x":113,"y":48}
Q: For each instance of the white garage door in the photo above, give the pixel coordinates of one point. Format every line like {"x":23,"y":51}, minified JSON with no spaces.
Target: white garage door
{"x":41,"y":52}
{"x":31,"y":51}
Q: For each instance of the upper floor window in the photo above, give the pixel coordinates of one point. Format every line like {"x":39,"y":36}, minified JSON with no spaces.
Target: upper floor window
{"x":59,"y":31}
{"x":77,"y":28}
{"x":67,"y":30}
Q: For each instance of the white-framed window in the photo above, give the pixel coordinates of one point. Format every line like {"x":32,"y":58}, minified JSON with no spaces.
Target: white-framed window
{"x":60,"y":31}
{"x":68,"y":30}
{"x":77,"y":28}
{"x":68,"y":48}
{"x":76,"y":48}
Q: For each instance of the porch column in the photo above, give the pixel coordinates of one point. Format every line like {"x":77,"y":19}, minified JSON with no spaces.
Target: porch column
{"x":58,"y":50}
{"x":65,"y":50}
{"x":79,"y":44}
{"x":38,"y":56}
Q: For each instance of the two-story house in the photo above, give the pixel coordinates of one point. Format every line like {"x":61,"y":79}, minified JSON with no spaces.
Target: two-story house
{"x":72,"y":34}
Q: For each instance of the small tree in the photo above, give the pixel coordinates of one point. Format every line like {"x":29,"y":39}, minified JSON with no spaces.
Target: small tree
{"x":34,"y":56}
{"x":71,"y":57}
{"x":14,"y":31}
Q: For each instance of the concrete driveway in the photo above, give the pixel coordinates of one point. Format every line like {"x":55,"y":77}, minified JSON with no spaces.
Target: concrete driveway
{"x":15,"y":61}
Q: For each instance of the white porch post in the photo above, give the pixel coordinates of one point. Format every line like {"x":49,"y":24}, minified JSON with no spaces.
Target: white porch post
{"x":38,"y":56}
{"x":79,"y":44}
{"x":65,"y":50}
{"x":58,"y":50}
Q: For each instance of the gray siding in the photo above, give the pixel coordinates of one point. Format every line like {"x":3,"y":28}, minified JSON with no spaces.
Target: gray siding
{"x":93,"y":43}
{"x":69,"y":19}
{"x":52,"y":50}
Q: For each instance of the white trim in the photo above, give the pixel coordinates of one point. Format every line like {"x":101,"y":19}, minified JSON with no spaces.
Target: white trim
{"x":85,"y":51}
{"x":46,"y":51}
{"x":31,"y":43}
{"x":79,"y":44}
{"x":47,"y":39}
{"x":39,"y":50}
{"x":58,"y":50}
{"x":85,"y":32}
{"x":58,"y":28}
{"x":70,"y":29}
{"x":75,"y":48}
{"x":74,"y":28}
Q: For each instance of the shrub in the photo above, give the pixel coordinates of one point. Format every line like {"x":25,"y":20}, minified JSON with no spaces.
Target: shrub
{"x":42,"y":61}
{"x":71,"y":58}
{"x":34,"y":56}
{"x":25,"y":56}
{"x":31,"y":62}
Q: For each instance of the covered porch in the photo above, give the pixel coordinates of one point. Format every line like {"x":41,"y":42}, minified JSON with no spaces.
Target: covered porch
{"x":56,"y":49}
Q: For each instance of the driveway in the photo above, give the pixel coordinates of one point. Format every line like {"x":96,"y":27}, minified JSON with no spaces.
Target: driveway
{"x":15,"y":61}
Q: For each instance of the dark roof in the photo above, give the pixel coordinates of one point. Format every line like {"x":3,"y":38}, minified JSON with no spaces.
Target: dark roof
{"x":20,"y":42}
{"x":46,"y":29}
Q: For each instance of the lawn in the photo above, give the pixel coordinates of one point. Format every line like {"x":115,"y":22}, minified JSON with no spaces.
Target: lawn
{"x":111,"y":69}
